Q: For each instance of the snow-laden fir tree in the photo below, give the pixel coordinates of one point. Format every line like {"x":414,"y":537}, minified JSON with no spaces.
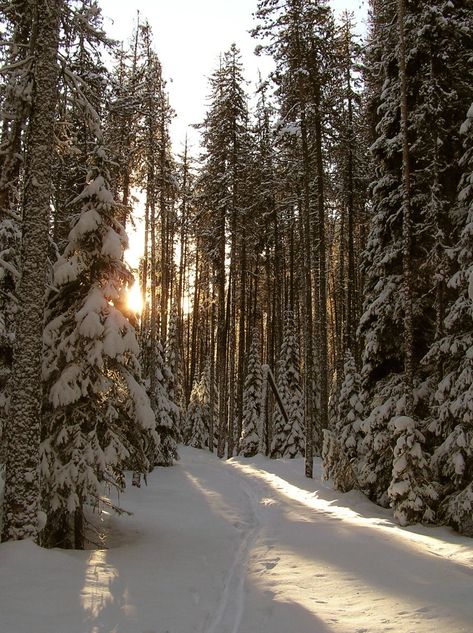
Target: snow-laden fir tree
{"x":15,"y":96}
{"x":412,"y":492}
{"x":223,"y":199}
{"x":453,"y":413}
{"x":163,"y":450}
{"x":198,"y":412}
{"x":84,"y":78}
{"x":341,"y":441}
{"x":288,"y":437}
{"x":153,"y":149}
{"x":249,"y":440}
{"x":413,"y":195}
{"x":175,"y":380}
{"x":198,"y":433}
{"x":166,"y":411}
{"x":97,"y":419}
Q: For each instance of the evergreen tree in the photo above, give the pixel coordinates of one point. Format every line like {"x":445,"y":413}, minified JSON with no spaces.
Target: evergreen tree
{"x":83,"y":91}
{"x":288,"y":438}
{"x":341,"y":441}
{"x":453,"y":418}
{"x":153,"y":149}
{"x":97,"y":419}
{"x":165,"y":410}
{"x":413,"y":198}
{"x":249,"y":440}
{"x":198,"y":412}
{"x":175,"y":388}
{"x":197,"y":429}
{"x":299,"y":35}
{"x":223,"y":199}
{"x":411,"y":491}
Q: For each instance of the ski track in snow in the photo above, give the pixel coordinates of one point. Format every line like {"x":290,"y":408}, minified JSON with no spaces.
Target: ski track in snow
{"x":232,"y":603}
{"x":243,"y":546}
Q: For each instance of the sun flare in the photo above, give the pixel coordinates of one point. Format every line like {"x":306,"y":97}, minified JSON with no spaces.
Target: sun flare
{"x":134,"y":299}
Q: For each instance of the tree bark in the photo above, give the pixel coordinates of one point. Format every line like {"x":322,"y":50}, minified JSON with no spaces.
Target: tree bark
{"x":406,"y":220}
{"x":21,"y":498}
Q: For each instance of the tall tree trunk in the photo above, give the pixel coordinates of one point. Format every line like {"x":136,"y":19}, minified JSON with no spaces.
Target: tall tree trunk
{"x":21,"y":497}
{"x":406,"y":220}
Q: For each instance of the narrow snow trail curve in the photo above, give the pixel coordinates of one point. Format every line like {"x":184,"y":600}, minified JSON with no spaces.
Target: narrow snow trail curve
{"x":243,"y":546}
{"x":322,"y":565}
{"x":232,"y":603}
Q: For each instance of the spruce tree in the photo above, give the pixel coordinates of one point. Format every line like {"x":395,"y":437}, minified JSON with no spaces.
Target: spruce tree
{"x":407,"y":251}
{"x":97,"y":418}
{"x":165,"y":409}
{"x":342,"y":439}
{"x":288,"y":438}
{"x":453,"y":418}
{"x":198,"y":412}
{"x":249,"y":440}
{"x":175,"y":388}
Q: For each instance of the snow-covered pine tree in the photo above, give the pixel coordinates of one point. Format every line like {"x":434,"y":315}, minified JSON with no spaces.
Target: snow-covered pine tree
{"x":15,"y":97}
{"x":123,"y":119}
{"x":197,"y":422}
{"x":382,"y":319}
{"x":175,"y":386}
{"x":223,"y":199}
{"x":341,"y":441}
{"x":21,"y":495}
{"x":84,"y":79}
{"x":453,"y":413}
{"x":427,"y":136}
{"x":412,"y":492}
{"x":249,"y":440}
{"x":198,"y":412}
{"x":96,"y":419}
{"x":288,"y":438}
{"x":197,"y":433}
{"x":299,"y":34}
{"x":165,"y":410}
{"x":153,"y":150}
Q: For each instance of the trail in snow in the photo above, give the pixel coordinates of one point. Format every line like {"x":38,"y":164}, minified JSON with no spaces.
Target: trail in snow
{"x":232,"y":603}
{"x":244,"y":546}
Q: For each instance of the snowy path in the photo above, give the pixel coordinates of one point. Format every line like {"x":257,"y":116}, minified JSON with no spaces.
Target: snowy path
{"x":246,"y":546}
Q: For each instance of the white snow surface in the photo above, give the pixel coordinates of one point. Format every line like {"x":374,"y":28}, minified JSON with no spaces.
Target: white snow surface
{"x":243,"y":546}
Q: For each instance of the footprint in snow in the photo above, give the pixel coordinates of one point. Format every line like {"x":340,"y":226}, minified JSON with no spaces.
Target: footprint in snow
{"x":271,"y":564}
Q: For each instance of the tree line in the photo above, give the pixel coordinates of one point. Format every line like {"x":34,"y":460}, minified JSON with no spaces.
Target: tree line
{"x":305,"y":279}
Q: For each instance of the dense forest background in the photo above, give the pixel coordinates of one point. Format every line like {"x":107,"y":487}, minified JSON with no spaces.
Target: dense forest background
{"x":306,"y":280}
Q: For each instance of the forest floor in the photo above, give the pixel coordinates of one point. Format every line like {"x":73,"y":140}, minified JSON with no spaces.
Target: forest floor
{"x":243,"y":546}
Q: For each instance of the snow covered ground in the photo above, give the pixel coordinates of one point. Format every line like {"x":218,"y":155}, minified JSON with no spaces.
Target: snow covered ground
{"x":245,"y":546}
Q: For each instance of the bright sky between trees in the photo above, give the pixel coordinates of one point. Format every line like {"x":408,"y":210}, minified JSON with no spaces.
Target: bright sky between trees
{"x":189,"y":37}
